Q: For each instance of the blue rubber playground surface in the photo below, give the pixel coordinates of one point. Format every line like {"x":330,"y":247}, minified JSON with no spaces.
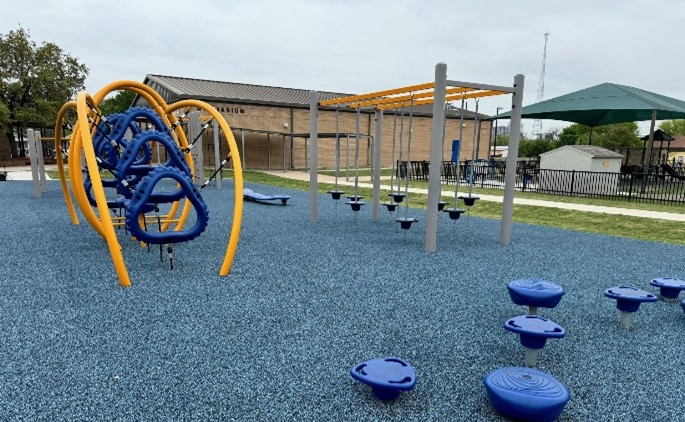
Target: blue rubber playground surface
{"x":275,"y":341}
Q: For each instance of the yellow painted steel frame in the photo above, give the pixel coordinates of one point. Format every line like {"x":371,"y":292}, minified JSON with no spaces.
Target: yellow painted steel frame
{"x":82,"y":140}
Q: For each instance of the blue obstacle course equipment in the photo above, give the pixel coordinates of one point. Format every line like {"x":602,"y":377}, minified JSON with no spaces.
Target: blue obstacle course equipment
{"x":669,"y":287}
{"x":628,"y":300}
{"x":250,"y":195}
{"x":535,"y":293}
{"x":406,"y":222}
{"x":141,"y":200}
{"x":397,"y":197}
{"x":534,"y":331}
{"x":682,"y":305}
{"x":526,"y":394}
{"x":336,"y":194}
{"x":387,"y":376}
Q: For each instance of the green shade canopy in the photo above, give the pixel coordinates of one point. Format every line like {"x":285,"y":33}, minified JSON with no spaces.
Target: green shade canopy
{"x":604,"y":104}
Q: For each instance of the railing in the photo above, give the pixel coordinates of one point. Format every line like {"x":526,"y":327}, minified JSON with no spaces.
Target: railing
{"x":653,"y":187}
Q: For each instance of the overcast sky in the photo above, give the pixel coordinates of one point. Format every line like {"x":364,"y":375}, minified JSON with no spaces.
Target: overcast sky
{"x":359,"y":46}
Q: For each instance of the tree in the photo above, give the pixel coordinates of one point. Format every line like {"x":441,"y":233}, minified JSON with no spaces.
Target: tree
{"x":673,"y":127}
{"x":617,"y":135}
{"x":535,"y":147}
{"x":35,"y":80}
{"x":118,"y":103}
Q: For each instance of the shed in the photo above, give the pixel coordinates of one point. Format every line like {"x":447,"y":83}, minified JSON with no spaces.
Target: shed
{"x":580,"y":169}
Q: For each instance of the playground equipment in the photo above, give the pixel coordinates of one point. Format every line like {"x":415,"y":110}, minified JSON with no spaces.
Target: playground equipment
{"x":526,"y":394}
{"x":251,"y":195}
{"x":534,"y":331}
{"x":387,"y":376}
{"x":102,"y":142}
{"x":355,"y":201}
{"x":398,"y":196}
{"x":669,"y":288}
{"x":435,"y":93}
{"x":535,"y":293}
{"x":335,"y":193}
{"x":471,"y":199}
{"x":628,"y":300}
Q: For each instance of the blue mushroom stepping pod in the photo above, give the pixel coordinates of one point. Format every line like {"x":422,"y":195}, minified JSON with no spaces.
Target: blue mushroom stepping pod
{"x":669,"y":288}
{"x":534,"y":331}
{"x":387,"y":376}
{"x":682,"y":305}
{"x":628,"y":300}
{"x":535,"y":293}
{"x":526,"y":394}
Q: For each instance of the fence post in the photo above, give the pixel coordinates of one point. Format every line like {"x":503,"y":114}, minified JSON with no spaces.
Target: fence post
{"x":573,"y":180}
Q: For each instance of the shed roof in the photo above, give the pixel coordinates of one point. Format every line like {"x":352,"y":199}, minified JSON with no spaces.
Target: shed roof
{"x":174,"y":88}
{"x":592,"y":151}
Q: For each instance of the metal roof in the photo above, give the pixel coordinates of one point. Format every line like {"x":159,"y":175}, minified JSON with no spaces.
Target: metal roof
{"x":174,"y":88}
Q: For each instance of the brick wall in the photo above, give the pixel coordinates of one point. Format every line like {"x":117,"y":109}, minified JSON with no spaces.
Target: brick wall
{"x":263,"y":151}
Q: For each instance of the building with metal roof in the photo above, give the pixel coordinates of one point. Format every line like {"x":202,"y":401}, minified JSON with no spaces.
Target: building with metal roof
{"x":271,"y":124}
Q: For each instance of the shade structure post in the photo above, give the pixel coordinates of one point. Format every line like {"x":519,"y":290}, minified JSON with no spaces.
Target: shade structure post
{"x":376,"y":166}
{"x":313,"y":155}
{"x":647,"y":157}
{"x":512,"y":159}
{"x":437,"y":133}
{"x":217,"y":154}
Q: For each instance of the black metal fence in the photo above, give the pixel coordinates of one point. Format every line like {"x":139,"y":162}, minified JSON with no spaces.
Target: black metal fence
{"x":664,"y":188}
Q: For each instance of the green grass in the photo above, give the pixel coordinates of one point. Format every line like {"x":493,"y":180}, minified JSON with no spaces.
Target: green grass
{"x":671,"y":232}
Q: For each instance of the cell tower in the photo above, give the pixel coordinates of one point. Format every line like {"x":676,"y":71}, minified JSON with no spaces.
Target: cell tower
{"x":537,"y":123}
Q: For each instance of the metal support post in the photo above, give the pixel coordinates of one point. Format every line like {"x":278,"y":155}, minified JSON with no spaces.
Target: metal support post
{"x":376,"y":166}
{"x":314,"y":164}
{"x":512,"y":158}
{"x":33,"y":155}
{"x":194,"y":130}
{"x":217,"y":154}
{"x":242,"y":141}
{"x":437,"y":134}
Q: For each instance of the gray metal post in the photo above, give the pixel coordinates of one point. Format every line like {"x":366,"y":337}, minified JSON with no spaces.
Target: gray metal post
{"x":217,"y":155}
{"x":33,"y":155}
{"x":242,"y":141}
{"x":347,"y":159}
{"x":41,"y":162}
{"x":194,"y":129}
{"x":437,"y":134}
{"x":268,"y":151}
{"x":284,"y":152}
{"x":376,"y":166}
{"x":314,"y":165}
{"x":512,"y":159}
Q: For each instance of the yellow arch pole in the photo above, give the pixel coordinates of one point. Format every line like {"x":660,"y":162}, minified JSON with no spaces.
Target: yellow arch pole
{"x":60,"y":160}
{"x":76,"y":176}
{"x":238,"y":179}
{"x":98,"y":191}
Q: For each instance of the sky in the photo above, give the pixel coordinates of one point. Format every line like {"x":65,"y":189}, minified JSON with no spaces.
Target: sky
{"x":357,"y":46}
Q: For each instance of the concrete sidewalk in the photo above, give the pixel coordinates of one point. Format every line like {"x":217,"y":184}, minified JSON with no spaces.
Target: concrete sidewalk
{"x":365,"y":183}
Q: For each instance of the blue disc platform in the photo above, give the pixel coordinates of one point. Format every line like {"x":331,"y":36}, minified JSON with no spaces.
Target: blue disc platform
{"x":534,"y":330}
{"x":526,"y":394}
{"x":387,"y":376}
{"x":628,"y":299}
{"x":668,"y":287}
{"x":535,"y":292}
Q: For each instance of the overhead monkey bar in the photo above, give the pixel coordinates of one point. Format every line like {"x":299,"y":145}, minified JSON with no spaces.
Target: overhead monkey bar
{"x":436,"y":93}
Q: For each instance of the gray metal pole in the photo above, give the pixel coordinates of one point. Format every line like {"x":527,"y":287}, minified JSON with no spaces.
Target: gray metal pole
{"x":437,"y":135}
{"x":284,"y":152}
{"x":217,"y":154}
{"x":242,"y":140}
{"x":314,"y":165}
{"x":347,"y":159}
{"x":376,"y":165}
{"x":512,"y":159}
{"x":33,"y":154}
{"x":42,"y":181}
{"x":194,"y":130}
{"x":647,"y":158}
{"x":268,"y":151}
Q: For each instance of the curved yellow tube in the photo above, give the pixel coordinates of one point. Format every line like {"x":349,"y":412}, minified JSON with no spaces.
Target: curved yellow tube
{"x":98,"y":191}
{"x":60,"y":160}
{"x":238,"y":179}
